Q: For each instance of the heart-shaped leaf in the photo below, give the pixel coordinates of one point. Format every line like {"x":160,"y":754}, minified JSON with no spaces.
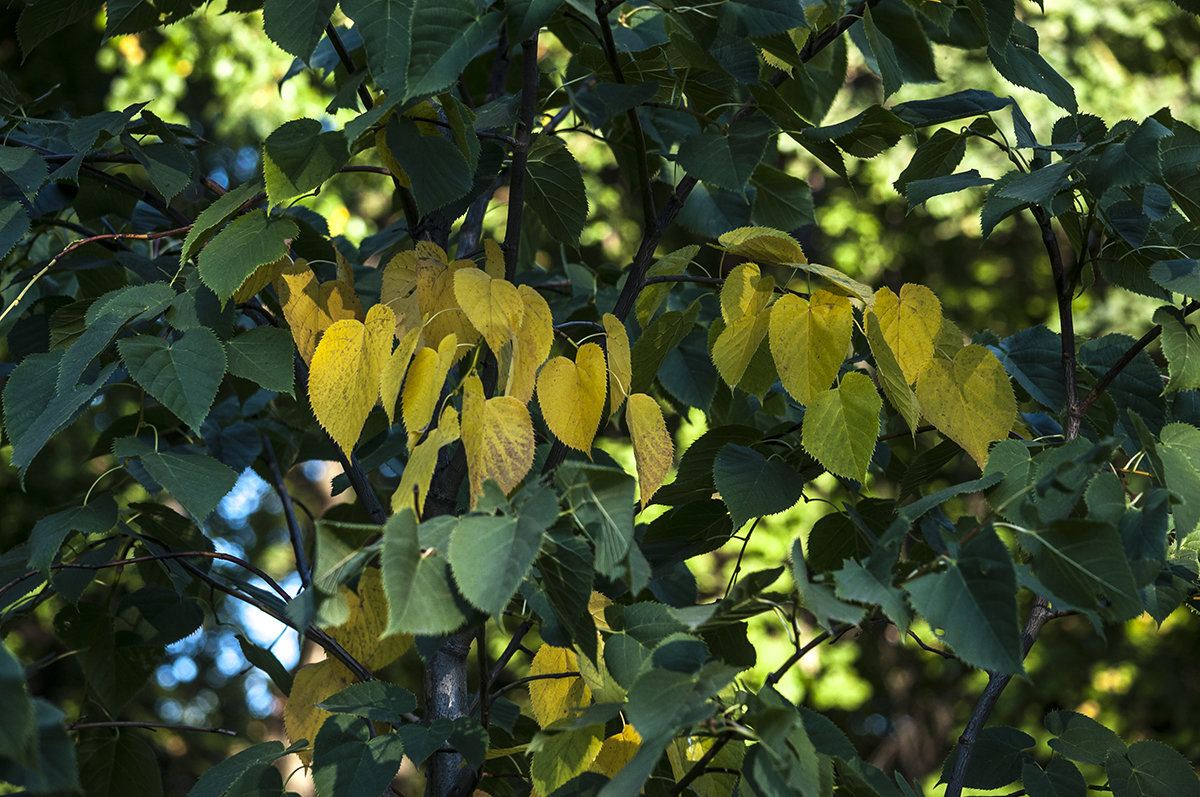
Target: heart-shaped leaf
{"x":571,"y":395}
{"x":970,"y":400}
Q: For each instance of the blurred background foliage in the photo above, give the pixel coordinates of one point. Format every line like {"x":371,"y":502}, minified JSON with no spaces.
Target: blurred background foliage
{"x":217,"y":73}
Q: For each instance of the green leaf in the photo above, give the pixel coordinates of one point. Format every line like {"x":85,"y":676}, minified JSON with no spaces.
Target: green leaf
{"x":265,"y":355}
{"x":841,"y":424}
{"x":891,"y":377}
{"x":1181,"y":275}
{"x":420,"y":595}
{"x":445,"y":37}
{"x":1150,"y":769}
{"x":1031,"y":357}
{"x":1082,"y":561}
{"x":752,"y":485}
{"x":386,"y":31}
{"x":780,"y":200}
{"x":237,"y":251}
{"x":997,"y":759}
{"x":567,"y":578}
{"x":55,"y":769}
{"x":196,"y":481}
{"x":25,"y":168}
{"x":856,"y":583}
{"x":105,"y":317}
{"x":491,"y":554}
{"x":298,"y":158}
{"x":1020,"y":63}
{"x":651,"y":348}
{"x":375,"y":700}
{"x":760,"y":17}
{"x":47,"y":536}
{"x":1137,"y":388}
{"x":886,"y":60}
{"x":1040,"y":186}
{"x":183,"y":374}
{"x":555,"y":188}
{"x":1180,"y":455}
{"x":297,"y":26}
{"x":345,"y":761}
{"x":937,"y":156}
{"x":435,"y":166}
{"x":972,"y":604}
{"x":1181,"y":345}
{"x":42,"y":20}
{"x":600,"y":501}
{"x":918,"y":192}
{"x":266,"y":661}
{"x":116,"y":764}
{"x":819,"y":598}
{"x":865,"y":135}
{"x":1081,"y":738}
{"x":167,"y":165}
{"x":959,"y":105}
{"x":14,"y":223}
{"x":216,"y":215}
{"x":1061,"y":778}
{"x":726,"y":160}
{"x":17,"y":731}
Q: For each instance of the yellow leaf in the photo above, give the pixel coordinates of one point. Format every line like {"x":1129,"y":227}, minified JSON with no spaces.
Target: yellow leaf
{"x":571,"y":395}
{"x":418,"y":471}
{"x":745,"y":293}
{"x":493,"y":306}
{"x":435,"y":296}
{"x":764,"y":244}
{"x":362,"y":633}
{"x":339,"y":301}
{"x":531,"y":346}
{"x":498,"y":438}
{"x":552,"y":699}
{"x":423,"y":385}
{"x":891,"y":378}
{"x":969,"y":400}
{"x":617,"y":751}
{"x":809,"y":340}
{"x":736,"y":345}
{"x":653,"y":450}
{"x":620,"y":362}
{"x":493,"y":259}
{"x":394,"y":370}
{"x":299,"y":296}
{"x":344,"y":380}
{"x":312,"y":684}
{"x":910,"y":324}
{"x":398,"y":290}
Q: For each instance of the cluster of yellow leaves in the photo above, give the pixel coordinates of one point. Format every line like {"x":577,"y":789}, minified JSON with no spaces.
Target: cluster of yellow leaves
{"x":922,"y":365}
{"x":399,"y":354}
{"x":360,"y":636}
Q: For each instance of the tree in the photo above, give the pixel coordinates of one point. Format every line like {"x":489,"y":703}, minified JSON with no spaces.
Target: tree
{"x":166,"y":330}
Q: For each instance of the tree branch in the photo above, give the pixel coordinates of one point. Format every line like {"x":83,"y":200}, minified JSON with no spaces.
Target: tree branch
{"x":516,"y":182}
{"x":635,"y":123}
{"x":153,"y":726}
{"x":347,"y":61}
{"x":289,"y":513}
{"x":1064,"y":293}
{"x":1115,"y":370}
{"x":1039,"y":613}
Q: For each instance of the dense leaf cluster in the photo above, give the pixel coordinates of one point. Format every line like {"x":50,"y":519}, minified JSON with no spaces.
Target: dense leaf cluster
{"x":202,"y":329}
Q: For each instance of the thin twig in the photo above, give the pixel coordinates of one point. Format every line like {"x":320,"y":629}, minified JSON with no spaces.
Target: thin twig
{"x":1064,"y":293}
{"x":153,"y":726}
{"x":522,"y":681}
{"x":289,"y":513}
{"x":635,"y":123}
{"x":516,"y":180}
{"x":683,"y":278}
{"x":1125,"y":359}
{"x":930,"y":648}
{"x":481,"y":661}
{"x":347,"y":61}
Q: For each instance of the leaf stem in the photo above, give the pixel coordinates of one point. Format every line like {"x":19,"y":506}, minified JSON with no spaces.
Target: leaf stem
{"x":347,"y":61}
{"x":153,"y":726}
{"x":289,"y":513}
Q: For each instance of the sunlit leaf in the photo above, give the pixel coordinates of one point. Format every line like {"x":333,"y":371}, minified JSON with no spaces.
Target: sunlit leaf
{"x":809,"y":341}
{"x":344,"y":380}
{"x":620,"y":364}
{"x":571,"y":395}
{"x":653,"y":449}
{"x":910,"y":324}
{"x":970,"y":400}
{"x":841,"y":425}
{"x":498,"y":437}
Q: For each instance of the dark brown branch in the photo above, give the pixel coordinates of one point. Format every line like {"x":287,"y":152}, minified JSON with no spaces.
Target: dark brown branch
{"x":153,"y":726}
{"x":1064,"y":293}
{"x":289,"y":513}
{"x":1039,"y":613}
{"x":516,"y":180}
{"x":522,"y":681}
{"x":635,"y":123}
{"x":683,"y":278}
{"x":700,"y":767}
{"x":347,"y":61}
{"x":1115,"y":370}
{"x":930,"y":648}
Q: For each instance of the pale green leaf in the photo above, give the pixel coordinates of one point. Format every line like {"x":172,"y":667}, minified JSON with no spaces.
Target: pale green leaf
{"x":841,"y":424}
